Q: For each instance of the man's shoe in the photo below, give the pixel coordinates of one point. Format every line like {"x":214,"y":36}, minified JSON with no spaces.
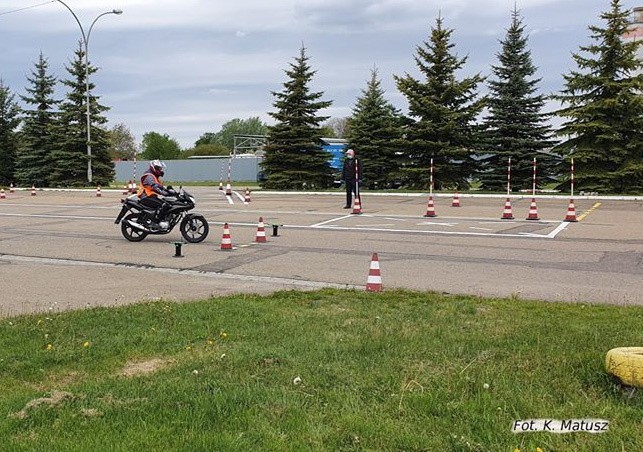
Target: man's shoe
{"x":347,"y":207}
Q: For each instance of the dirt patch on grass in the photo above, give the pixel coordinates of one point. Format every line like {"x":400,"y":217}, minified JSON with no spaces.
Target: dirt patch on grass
{"x":56,"y":398}
{"x":136,"y":368}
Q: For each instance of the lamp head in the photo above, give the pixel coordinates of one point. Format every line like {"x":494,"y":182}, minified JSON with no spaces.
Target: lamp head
{"x":117,"y":11}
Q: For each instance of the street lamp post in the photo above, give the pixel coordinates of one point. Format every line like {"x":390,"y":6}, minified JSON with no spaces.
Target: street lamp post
{"x":86,"y":43}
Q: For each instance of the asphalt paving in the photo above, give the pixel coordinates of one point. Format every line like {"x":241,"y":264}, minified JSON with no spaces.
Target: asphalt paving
{"x":61,"y":249}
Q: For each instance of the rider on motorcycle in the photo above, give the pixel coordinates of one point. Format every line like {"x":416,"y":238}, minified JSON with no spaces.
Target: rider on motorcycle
{"x":151,"y":188}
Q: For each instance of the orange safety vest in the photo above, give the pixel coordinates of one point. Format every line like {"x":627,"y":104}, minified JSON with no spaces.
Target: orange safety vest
{"x":147,"y":189}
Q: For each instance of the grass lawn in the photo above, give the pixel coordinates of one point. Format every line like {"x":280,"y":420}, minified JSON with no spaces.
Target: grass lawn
{"x":327,"y":370}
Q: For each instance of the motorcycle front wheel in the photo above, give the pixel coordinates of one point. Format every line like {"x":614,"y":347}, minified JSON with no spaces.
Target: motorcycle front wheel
{"x":130,"y":232}
{"x":194,"y":228}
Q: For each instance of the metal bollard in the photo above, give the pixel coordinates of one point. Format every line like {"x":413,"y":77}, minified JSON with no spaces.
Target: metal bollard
{"x":177,"y":249}
{"x":275,"y":230}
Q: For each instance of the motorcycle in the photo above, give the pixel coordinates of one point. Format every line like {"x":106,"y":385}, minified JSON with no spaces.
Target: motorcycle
{"x":139,"y":223}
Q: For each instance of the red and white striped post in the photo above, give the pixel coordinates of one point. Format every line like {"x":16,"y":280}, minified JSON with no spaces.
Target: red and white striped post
{"x":430,"y":207}
{"x":228,"y":188}
{"x":507,"y":213}
{"x":533,"y":209}
{"x":357,"y":204}
{"x":571,"y":209}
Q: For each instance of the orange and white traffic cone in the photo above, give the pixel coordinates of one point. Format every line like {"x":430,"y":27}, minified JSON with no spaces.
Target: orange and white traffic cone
{"x":2,"y":195}
{"x":571,"y":212}
{"x":247,"y":197}
{"x":374,"y":281}
{"x":221,"y":185}
{"x":430,"y":208}
{"x":33,"y":190}
{"x":126,"y":189}
{"x":357,"y":206}
{"x":261,"y":232}
{"x":507,"y":214}
{"x":228,"y":189}
{"x":98,"y":193}
{"x":533,"y":210}
{"x":11,"y":188}
{"x":132,"y":187}
{"x":226,"y":240}
{"x":456,"y":200}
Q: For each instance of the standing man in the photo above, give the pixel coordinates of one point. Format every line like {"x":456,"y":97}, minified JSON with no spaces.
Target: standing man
{"x":350,"y":177}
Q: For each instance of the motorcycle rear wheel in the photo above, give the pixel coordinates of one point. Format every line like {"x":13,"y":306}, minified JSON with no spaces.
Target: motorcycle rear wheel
{"x":130,"y":232}
{"x":194,"y":228}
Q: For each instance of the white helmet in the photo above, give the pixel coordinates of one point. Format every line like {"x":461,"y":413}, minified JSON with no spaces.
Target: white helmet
{"x":157,"y":168}
{"x":350,"y":153}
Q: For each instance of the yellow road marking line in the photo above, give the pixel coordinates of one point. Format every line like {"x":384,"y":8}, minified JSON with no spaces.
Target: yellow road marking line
{"x":587,"y":212}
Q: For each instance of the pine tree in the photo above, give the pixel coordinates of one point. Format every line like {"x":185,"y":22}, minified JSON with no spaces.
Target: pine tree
{"x":294,"y":158}
{"x":375,"y":131}
{"x":604,"y":109}
{"x":9,"y":122}
{"x":515,"y":126}
{"x":444,"y":110}
{"x":69,"y":166}
{"x":33,"y":162}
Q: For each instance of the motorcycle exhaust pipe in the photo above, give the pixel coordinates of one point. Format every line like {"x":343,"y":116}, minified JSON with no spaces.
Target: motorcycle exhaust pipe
{"x":137,"y":226}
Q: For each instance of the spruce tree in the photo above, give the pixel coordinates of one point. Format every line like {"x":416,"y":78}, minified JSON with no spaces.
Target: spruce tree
{"x":33,"y":162}
{"x":9,"y":122}
{"x":443,"y":111}
{"x":294,"y":158}
{"x":603,"y":107}
{"x":70,"y":158}
{"x":515,"y":126}
{"x":375,"y":131}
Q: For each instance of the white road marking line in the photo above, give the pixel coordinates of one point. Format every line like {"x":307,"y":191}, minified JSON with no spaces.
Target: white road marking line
{"x":229,"y":198}
{"x":395,"y":219}
{"x":431,"y":223}
{"x":68,"y":217}
{"x":480,"y":229}
{"x":329,"y":221}
{"x":416,"y":231}
{"x":241,"y":198}
{"x":555,"y":232}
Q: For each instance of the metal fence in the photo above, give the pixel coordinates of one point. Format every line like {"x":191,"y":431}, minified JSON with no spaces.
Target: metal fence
{"x":242,"y":168}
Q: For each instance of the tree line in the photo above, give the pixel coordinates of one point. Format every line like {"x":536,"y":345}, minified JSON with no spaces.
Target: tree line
{"x":468,"y":136}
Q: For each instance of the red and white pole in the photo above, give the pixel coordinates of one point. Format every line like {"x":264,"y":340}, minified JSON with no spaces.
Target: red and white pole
{"x":135,"y":168}
{"x":509,"y":178}
{"x":357,"y":204}
{"x":533,"y":189}
{"x":572,"y":180}
{"x":431,"y":180}
{"x":228,"y":188}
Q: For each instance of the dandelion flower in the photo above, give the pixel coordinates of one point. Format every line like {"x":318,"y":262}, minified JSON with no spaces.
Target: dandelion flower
{"x":86,"y":344}
{"x":223,"y":334}
{"x":50,"y":347}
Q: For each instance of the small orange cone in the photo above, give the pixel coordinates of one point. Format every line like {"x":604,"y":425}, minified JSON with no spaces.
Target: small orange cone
{"x":33,"y":190}
{"x":357,"y":206}
{"x":2,"y":195}
{"x":456,"y":200}
{"x":247,"y":197}
{"x":374,"y":281}
{"x":261,"y":232}
{"x":221,"y":185}
{"x":98,"y":193}
{"x":11,"y":189}
{"x":226,"y":240}
{"x":571,"y":212}
{"x":533,"y":210}
{"x":430,"y":208}
{"x":507,"y":214}
{"x":228,"y":190}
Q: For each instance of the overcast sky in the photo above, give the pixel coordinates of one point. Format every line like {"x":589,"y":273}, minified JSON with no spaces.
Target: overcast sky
{"x":185,"y":67}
